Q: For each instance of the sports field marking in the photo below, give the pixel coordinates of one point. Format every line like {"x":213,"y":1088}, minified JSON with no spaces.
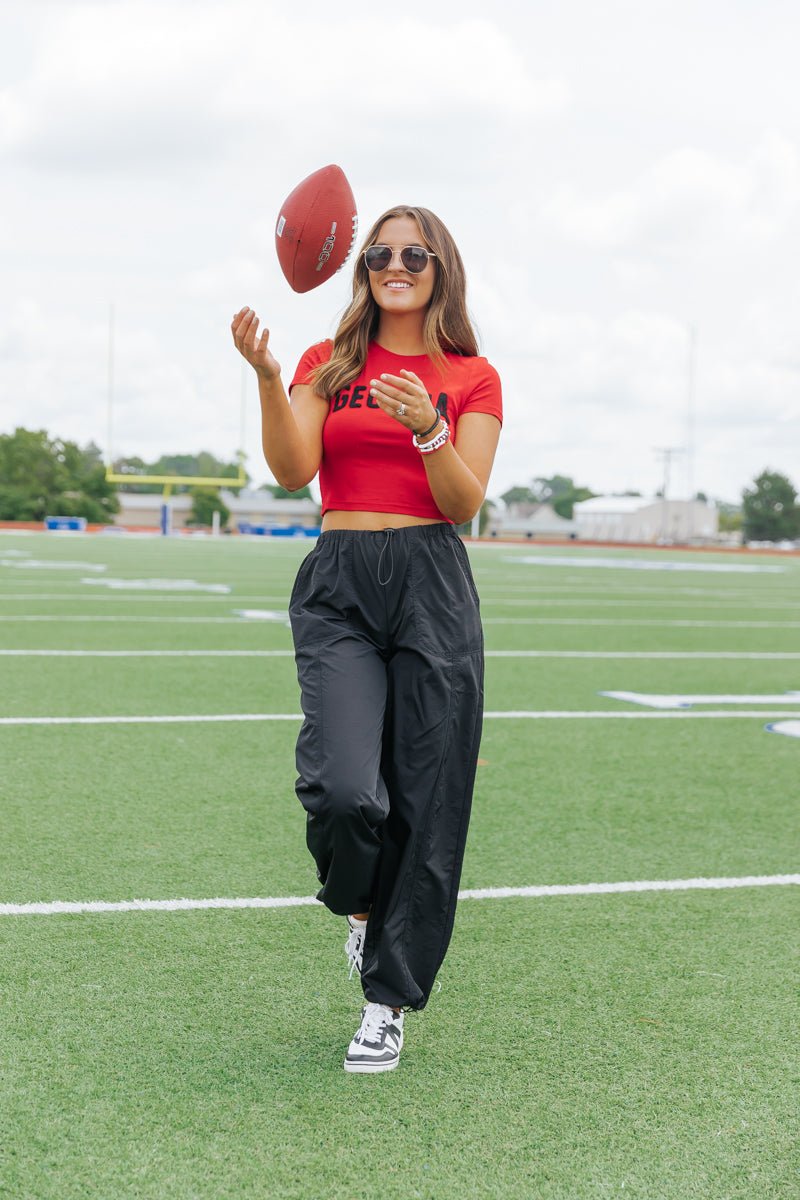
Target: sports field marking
{"x":591,"y":602}
{"x":159,"y":585}
{"x":216,"y":593}
{"x":136,"y":620}
{"x":577,"y":621}
{"x":51,"y":564}
{"x":151,"y":653}
{"x":645,"y":564}
{"x":655,"y":700}
{"x":142,"y":598}
{"x":509,"y":715}
{"x":666,"y":655}
{"x":789,"y":728}
{"x":567,"y":588}
{"x":261,"y":614}
{"x":59,"y":907}
{"x":638,"y":621}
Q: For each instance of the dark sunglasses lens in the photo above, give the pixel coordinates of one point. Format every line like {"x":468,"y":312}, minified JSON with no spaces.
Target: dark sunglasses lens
{"x":378,"y":258}
{"x":414,"y":259}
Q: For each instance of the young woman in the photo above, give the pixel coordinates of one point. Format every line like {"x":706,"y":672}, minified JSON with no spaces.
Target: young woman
{"x":401,"y":419}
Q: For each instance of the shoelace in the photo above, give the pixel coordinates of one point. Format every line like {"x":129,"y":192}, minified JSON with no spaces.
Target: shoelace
{"x":354,"y":948}
{"x":376,"y":1017}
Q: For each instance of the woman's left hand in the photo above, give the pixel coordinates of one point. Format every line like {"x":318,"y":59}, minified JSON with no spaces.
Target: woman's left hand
{"x":405,"y":398}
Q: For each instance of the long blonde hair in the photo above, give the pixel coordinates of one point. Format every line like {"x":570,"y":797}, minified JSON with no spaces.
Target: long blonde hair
{"x":447,"y":326}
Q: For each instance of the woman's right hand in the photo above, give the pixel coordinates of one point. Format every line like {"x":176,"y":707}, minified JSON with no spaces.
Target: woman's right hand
{"x":255,"y":349}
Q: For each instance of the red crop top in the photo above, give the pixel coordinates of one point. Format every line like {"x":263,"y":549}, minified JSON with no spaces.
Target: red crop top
{"x":369,"y":463}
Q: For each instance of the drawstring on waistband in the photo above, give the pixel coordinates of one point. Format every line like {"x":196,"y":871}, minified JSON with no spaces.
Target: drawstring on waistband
{"x":383,"y":582}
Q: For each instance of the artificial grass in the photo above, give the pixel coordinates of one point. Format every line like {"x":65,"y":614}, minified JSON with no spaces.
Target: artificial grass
{"x":580,"y":1047}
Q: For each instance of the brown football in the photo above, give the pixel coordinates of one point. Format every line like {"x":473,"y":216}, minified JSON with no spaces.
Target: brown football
{"x":316,"y":228}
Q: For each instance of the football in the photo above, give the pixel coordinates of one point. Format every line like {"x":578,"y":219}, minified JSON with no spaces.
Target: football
{"x":316,"y":228}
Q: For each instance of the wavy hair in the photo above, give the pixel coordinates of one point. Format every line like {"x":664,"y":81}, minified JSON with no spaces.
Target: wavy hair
{"x":447,"y":327}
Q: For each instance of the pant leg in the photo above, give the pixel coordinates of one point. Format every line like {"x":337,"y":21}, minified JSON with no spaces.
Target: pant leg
{"x":430,"y":750}
{"x":338,"y":757}
{"x":342,"y":680}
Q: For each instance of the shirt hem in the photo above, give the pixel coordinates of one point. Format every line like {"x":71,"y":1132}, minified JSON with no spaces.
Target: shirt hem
{"x":368,"y":505}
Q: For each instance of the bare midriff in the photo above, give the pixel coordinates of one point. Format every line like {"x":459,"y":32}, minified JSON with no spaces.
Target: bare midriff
{"x":342,"y":519}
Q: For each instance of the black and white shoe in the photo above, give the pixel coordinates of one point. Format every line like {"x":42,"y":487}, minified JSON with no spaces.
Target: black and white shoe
{"x":377,"y":1045}
{"x":354,"y":946}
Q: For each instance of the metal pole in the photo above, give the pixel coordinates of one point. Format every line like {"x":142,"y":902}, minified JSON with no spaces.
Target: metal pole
{"x":243,"y":419}
{"x":690,"y":419}
{"x":110,"y":442}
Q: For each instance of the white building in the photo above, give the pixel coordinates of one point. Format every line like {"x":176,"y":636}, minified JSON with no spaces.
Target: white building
{"x":646,"y":519}
{"x":535,"y":521}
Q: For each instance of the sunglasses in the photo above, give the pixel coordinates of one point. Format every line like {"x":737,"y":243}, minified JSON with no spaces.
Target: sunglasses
{"x":413,"y":258}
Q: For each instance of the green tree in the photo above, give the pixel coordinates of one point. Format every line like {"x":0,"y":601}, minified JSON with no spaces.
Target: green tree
{"x":519,"y":495}
{"x":205,"y":502}
{"x":729,"y":522}
{"x":280,"y":493}
{"x":485,"y":517}
{"x":769,"y":509}
{"x":558,"y":490}
{"x":41,"y":476}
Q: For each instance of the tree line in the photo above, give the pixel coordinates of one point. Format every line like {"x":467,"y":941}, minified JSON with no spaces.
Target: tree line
{"x":44,"y":476}
{"x":769,"y":510}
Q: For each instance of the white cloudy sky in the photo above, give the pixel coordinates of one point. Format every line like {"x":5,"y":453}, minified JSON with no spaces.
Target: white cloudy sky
{"x":614,"y":174}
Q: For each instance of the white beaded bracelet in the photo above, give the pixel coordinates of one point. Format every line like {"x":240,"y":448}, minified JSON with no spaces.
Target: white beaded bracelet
{"x":436,"y":443}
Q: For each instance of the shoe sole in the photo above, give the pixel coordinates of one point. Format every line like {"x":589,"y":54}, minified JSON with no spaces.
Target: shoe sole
{"x":369,"y":1068}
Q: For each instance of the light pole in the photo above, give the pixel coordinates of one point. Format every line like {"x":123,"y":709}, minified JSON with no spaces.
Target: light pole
{"x":666,"y":453}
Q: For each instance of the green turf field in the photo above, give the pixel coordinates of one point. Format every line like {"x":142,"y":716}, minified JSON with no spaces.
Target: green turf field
{"x":638,"y":1045}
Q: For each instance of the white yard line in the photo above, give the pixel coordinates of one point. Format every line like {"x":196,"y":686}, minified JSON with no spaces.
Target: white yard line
{"x":150,"y":654}
{"x":580,"y":622}
{"x":510,"y":714}
{"x":487,"y":593}
{"x":689,"y":700}
{"x":667,"y":655}
{"x":503,"y":600}
{"x":138,"y":598}
{"x":592,"y":602}
{"x":59,"y":907}
{"x":161,"y":620}
{"x":639,"y":621}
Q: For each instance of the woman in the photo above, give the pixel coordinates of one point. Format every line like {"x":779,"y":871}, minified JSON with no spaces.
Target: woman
{"x":401,"y":418}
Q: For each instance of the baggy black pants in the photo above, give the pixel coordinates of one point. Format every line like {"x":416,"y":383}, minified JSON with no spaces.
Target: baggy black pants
{"x":389,"y":651}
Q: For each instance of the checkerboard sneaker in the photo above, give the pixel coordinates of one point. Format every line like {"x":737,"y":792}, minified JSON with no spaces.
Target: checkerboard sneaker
{"x":354,"y":946}
{"x":378,"y":1042}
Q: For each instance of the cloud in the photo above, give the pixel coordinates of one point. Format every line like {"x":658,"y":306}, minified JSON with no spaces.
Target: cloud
{"x":688,"y":200}
{"x":131,"y":85}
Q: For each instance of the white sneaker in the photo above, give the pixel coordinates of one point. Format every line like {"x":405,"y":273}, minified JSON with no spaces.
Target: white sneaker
{"x":354,"y":946}
{"x":377,"y":1045}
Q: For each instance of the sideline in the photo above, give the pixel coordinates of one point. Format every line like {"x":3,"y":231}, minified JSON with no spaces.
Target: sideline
{"x":58,"y":907}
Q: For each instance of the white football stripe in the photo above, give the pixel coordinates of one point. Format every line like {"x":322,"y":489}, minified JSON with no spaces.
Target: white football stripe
{"x":509,"y":714}
{"x":654,"y":700}
{"x":790,"y":728}
{"x":667,"y":655}
{"x":58,"y":907}
{"x":149,"y":653}
{"x":581,"y":622}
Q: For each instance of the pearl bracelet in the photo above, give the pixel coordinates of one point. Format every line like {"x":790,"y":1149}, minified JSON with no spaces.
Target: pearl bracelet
{"x":436,"y":443}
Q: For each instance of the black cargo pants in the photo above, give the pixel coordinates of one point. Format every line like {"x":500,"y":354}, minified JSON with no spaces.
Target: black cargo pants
{"x":389,"y":651}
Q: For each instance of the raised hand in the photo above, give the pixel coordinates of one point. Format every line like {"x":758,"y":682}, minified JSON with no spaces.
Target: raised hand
{"x":244,"y":328}
{"x":405,"y":398}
